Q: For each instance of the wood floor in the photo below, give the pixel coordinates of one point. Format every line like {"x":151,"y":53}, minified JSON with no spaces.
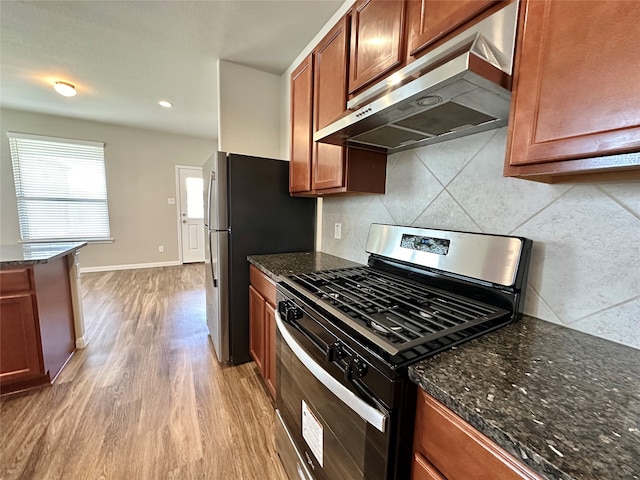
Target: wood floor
{"x":146,"y":399}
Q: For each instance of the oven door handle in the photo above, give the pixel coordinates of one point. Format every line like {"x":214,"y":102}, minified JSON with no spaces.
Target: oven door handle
{"x":372,"y":415}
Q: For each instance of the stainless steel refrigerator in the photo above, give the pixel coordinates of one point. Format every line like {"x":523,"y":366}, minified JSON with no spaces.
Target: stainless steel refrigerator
{"x":248,"y":211}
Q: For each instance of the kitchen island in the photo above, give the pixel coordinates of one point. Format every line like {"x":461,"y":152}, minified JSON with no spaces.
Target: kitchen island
{"x":565,"y":404}
{"x":41,"y":319}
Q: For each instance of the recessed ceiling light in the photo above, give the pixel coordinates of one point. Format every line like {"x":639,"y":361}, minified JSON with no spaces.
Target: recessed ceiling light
{"x":165,"y":104}
{"x":64,"y":88}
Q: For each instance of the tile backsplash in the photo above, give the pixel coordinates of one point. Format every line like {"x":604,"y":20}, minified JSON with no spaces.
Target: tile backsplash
{"x":585,"y":265}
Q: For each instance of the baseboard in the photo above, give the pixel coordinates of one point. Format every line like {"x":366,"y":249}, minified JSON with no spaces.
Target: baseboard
{"x":132,"y":266}
{"x":82,"y":342}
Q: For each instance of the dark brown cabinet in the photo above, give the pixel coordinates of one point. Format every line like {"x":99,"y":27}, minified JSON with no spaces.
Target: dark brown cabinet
{"x":37,"y":334}
{"x":256,"y":327}
{"x":19,"y":346}
{"x":318,"y":169}
{"x":377,"y":41}
{"x":262,"y":325}
{"x":440,"y":437}
{"x":430,"y":20}
{"x":301,"y":108}
{"x":575,"y":101}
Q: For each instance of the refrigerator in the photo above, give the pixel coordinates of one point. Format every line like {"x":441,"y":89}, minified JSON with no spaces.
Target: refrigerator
{"x":248,"y":211}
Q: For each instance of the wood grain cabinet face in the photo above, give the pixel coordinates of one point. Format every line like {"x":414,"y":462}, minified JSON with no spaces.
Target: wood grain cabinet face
{"x":455,"y":450}
{"x":328,"y":169}
{"x":576,"y":88}
{"x":430,"y":20}
{"x":423,"y":470}
{"x":256,"y":327}
{"x":262,"y":326}
{"x":301,"y":127}
{"x":19,"y":339}
{"x":377,"y":40}
{"x":330,"y":103}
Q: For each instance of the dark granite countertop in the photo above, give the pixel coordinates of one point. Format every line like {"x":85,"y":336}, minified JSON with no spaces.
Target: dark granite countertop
{"x":304,"y":262}
{"x":565,"y":403}
{"x":15,"y":255}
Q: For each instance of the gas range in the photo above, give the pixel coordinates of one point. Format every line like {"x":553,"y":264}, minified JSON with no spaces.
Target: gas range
{"x":418,"y":296}
{"x":358,"y":330}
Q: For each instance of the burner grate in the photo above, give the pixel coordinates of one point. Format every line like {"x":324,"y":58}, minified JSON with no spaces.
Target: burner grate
{"x":396,"y":313}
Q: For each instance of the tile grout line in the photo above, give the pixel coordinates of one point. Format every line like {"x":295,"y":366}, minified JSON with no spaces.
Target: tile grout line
{"x":542,"y":209}
{"x":629,"y":300}
{"x":619,"y":202}
{"x":560,"y":319}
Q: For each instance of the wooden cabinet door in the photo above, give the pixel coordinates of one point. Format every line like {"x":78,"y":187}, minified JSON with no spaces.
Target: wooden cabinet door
{"x":256,"y":328}
{"x":575,"y":87}
{"x":377,"y":33}
{"x":423,"y":470}
{"x":330,"y":76}
{"x":438,"y":429}
{"x":270,"y":354}
{"x":430,"y":20}
{"x":328,"y":166}
{"x":330,"y":103}
{"x":301,"y":127}
{"x":19,"y":339}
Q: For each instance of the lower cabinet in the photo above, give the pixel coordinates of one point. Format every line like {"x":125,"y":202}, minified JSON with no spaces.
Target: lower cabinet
{"x":262,"y":326}
{"x":37,"y":334}
{"x":20,"y":357}
{"x":448,"y":448}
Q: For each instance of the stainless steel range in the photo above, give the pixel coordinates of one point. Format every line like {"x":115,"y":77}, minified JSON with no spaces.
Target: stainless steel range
{"x":346,"y":338}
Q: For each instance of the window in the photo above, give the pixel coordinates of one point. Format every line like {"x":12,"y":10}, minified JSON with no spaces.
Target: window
{"x":60,"y":187}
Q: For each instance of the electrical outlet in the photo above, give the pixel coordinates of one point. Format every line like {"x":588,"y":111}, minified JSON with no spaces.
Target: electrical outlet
{"x":338,"y":231}
{"x":161,"y":248}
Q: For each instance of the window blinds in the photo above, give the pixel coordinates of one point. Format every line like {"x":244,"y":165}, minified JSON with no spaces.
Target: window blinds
{"x":60,"y":188}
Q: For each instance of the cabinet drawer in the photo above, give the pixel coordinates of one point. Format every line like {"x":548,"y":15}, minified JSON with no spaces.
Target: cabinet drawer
{"x":459,"y":451}
{"x":423,"y":470}
{"x":263,"y":284}
{"x":12,"y":281}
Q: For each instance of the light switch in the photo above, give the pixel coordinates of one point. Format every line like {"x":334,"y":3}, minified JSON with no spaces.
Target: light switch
{"x":171,"y":201}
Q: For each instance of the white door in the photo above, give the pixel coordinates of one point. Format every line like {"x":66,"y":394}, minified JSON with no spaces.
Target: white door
{"x":191,"y":209}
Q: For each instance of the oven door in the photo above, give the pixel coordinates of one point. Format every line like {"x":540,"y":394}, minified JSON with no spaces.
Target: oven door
{"x":335,"y":430}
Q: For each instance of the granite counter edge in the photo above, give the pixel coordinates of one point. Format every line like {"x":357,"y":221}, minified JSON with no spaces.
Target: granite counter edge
{"x":7,"y":264}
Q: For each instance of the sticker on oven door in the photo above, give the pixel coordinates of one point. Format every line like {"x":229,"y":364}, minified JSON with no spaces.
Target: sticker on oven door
{"x":312,"y":432}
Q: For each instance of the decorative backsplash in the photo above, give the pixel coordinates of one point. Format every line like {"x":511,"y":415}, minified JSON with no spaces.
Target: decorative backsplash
{"x":585,"y":265}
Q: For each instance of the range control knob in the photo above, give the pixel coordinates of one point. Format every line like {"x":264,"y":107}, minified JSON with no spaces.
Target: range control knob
{"x":288,"y":311}
{"x":356,"y":368}
{"x":335,"y":352}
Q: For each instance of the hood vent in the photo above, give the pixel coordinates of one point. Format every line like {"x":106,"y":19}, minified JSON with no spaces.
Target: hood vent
{"x":461,"y":90}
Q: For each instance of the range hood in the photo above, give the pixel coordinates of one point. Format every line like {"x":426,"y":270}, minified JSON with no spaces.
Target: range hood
{"x":462,"y":87}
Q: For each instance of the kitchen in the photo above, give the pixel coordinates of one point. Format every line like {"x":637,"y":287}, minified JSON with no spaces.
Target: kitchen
{"x":430,"y":186}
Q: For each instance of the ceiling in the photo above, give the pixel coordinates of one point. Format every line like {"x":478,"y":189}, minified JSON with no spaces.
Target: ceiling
{"x":125,"y":56}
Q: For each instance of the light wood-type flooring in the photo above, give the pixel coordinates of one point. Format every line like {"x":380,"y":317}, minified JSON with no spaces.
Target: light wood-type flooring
{"x":147,"y":398}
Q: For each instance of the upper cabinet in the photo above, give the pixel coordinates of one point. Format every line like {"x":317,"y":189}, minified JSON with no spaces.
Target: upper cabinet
{"x":318,"y":98}
{"x":377,"y":40}
{"x":575,"y":101}
{"x":301,"y":87}
{"x":430,"y":20}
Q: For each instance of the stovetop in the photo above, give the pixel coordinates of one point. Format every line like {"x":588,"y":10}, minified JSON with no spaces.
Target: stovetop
{"x":398,"y":315}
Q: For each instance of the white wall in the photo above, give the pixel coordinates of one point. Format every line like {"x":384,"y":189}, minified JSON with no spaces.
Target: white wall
{"x":140,"y":169}
{"x":249,"y":105}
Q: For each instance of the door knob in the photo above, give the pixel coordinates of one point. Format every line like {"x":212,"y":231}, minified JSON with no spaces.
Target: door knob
{"x":184,"y":221}
{"x":184,"y":214}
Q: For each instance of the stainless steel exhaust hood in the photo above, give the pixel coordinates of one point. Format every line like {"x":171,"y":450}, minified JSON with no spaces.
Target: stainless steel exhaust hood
{"x":463,"y":88}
